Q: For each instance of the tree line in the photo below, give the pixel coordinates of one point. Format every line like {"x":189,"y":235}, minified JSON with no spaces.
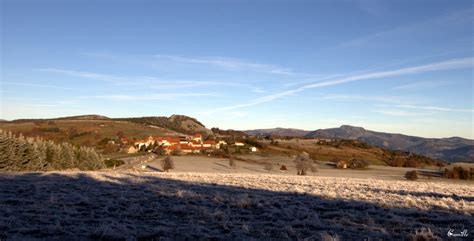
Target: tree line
{"x":19,"y":153}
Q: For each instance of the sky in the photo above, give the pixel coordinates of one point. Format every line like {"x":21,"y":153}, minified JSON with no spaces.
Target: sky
{"x":392,"y":66}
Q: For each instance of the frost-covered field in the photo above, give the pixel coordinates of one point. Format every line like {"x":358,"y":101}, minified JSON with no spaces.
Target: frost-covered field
{"x":175,"y":206}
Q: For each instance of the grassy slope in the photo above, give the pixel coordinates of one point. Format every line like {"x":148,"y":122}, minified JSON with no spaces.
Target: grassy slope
{"x":326,"y":153}
{"x":94,"y":130}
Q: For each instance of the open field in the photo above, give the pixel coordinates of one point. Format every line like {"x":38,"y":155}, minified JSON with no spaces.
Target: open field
{"x":255,"y":165}
{"x":162,"y":206}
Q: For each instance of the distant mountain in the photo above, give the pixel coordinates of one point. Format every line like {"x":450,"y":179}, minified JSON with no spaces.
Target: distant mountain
{"x":278,"y":132}
{"x":452,"y":149}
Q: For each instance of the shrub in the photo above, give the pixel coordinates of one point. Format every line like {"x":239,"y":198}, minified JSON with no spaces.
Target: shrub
{"x":357,"y":163}
{"x":232,"y":163}
{"x":176,"y":152}
{"x":411,"y":175}
{"x":283,"y":168}
{"x":268,"y":166}
{"x":113,"y":163}
{"x":167,"y":164}
{"x":458,"y":172}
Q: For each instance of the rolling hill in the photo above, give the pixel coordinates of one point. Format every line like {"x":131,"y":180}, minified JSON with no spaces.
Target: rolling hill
{"x":97,"y":130}
{"x":454,"y":149}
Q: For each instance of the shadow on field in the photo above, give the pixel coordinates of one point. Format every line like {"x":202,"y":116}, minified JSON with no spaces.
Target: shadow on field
{"x":425,"y":194}
{"x":139,"y":207}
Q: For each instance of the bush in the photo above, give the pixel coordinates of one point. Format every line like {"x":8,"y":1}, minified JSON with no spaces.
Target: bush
{"x":167,"y":164}
{"x":283,"y":168}
{"x":109,"y":163}
{"x":458,"y":172}
{"x":268,"y":166}
{"x":411,"y":175}
{"x":357,"y":163}
{"x":176,"y":152}
{"x":232,"y":163}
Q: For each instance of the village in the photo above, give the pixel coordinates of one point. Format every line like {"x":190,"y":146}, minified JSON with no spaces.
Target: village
{"x":194,"y":144}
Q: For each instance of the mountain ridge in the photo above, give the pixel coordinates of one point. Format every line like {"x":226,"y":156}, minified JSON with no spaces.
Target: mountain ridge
{"x":452,"y":149}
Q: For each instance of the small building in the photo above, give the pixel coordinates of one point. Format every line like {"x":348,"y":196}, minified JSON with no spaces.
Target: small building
{"x":197,"y":137}
{"x":253,"y":149}
{"x":220,"y":144}
{"x":239,"y":143}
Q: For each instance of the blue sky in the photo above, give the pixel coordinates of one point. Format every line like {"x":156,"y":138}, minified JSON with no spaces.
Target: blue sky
{"x":393,"y":66}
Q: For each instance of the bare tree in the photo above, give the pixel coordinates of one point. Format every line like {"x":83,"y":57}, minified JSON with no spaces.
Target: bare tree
{"x":303,"y":163}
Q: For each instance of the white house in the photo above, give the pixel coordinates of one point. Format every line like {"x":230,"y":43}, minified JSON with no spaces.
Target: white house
{"x":239,"y":144}
{"x":220,"y":143}
{"x":253,"y":149}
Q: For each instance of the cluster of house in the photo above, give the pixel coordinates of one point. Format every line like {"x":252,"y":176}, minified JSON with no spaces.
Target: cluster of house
{"x":184,"y":144}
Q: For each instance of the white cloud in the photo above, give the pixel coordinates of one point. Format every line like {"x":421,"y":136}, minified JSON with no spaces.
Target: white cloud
{"x":445,"y":65}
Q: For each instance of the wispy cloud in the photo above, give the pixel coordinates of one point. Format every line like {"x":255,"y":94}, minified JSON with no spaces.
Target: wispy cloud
{"x":433,"y":24}
{"x":435,"y":108}
{"x":421,"y":85}
{"x":401,"y":113}
{"x":445,"y":65}
{"x":230,"y":64}
{"x":37,"y":85}
{"x":149,"y":81}
{"x":163,"y":96}
{"x":83,"y":74}
{"x":383,"y":99}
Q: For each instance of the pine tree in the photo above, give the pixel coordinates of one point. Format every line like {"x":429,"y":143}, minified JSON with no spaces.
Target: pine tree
{"x":34,"y":154}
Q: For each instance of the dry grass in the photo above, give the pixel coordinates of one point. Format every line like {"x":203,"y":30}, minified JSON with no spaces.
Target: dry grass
{"x":155,"y":206}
